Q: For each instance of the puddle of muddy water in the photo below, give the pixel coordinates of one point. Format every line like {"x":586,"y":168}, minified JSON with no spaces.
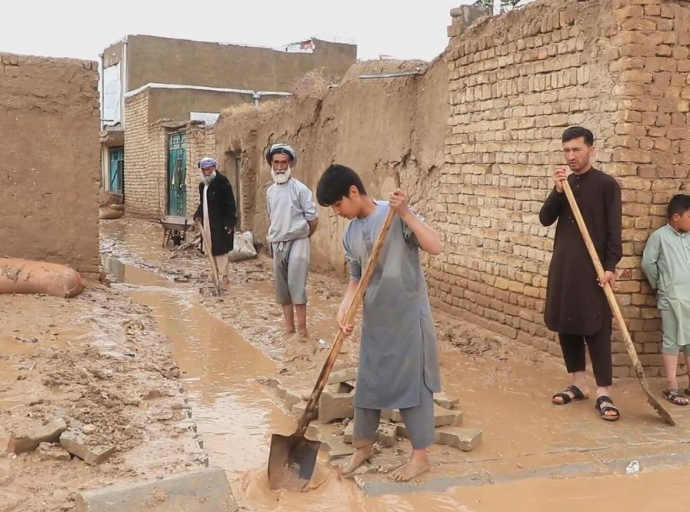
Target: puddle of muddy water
{"x":234,"y":415}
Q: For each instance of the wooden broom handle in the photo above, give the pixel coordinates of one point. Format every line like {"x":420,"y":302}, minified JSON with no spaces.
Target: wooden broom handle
{"x":208,"y":248}
{"x":309,"y":411}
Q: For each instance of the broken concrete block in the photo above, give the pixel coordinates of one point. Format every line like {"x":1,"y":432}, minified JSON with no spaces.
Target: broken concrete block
{"x":466,"y":439}
{"x":75,"y":442}
{"x":349,"y":432}
{"x":204,"y":490}
{"x":313,"y":433}
{"x":336,"y":447}
{"x":48,"y":451}
{"x":347,"y":375}
{"x":445,"y":401}
{"x":298,"y":409}
{"x":447,"y":418}
{"x":336,"y":406}
{"x":387,"y":434}
{"x":28,"y":440}
{"x":401,"y":431}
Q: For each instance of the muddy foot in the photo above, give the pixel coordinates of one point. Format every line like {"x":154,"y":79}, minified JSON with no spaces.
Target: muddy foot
{"x":410,"y":471}
{"x":300,"y":337}
{"x":361,"y":456}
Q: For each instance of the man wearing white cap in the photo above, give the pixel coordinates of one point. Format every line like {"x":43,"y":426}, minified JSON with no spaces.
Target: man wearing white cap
{"x":294,"y":218}
{"x":218,"y":214}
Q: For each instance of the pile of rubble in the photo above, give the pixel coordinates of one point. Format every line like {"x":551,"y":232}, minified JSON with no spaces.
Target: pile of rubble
{"x":336,"y":410}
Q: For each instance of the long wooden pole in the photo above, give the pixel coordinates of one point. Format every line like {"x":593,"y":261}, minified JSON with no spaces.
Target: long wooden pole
{"x":611,"y":297}
{"x":212,"y":260}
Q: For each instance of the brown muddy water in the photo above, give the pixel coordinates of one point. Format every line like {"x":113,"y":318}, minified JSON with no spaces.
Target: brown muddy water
{"x":234,"y":414}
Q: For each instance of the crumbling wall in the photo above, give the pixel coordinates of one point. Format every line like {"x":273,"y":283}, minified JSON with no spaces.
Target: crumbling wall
{"x":390,"y":130}
{"x":49,"y":160}
{"x":618,"y":67}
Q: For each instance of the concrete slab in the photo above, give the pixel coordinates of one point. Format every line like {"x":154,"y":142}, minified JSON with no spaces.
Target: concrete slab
{"x":76,"y":443}
{"x":205,"y":490}
{"x":347,"y":375}
{"x":28,"y":440}
{"x":446,"y":401}
{"x":336,"y":406}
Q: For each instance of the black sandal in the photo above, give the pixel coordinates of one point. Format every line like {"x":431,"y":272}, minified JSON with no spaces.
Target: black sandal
{"x":675,"y":397}
{"x":577,"y":395}
{"x":607,"y":408}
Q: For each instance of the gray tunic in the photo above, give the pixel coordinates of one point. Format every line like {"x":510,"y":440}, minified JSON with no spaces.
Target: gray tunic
{"x":666,"y":262}
{"x":398,"y":353}
{"x":290,"y":208}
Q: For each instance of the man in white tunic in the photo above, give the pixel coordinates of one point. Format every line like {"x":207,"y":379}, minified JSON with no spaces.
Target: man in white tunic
{"x":294,"y":218}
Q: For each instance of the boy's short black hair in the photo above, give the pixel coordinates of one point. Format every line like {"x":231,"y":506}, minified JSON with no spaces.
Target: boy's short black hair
{"x":575,"y":132}
{"x":680,"y":203}
{"x":336,"y":183}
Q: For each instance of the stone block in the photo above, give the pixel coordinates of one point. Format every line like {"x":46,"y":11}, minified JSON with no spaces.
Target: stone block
{"x":467,"y":439}
{"x":446,"y":401}
{"x":336,"y":447}
{"x":28,"y":440}
{"x":446,"y":418}
{"x":387,"y":434}
{"x":76,"y":443}
{"x":298,"y":409}
{"x":336,"y":406}
{"x":349,"y":432}
{"x":347,"y":375}
{"x":49,"y":451}
{"x":205,"y":490}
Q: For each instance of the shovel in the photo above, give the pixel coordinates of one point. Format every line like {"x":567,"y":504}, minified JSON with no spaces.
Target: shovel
{"x":207,"y":250}
{"x":292,"y":458}
{"x":611,"y":297}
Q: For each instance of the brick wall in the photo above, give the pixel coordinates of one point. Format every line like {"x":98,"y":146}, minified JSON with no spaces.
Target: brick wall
{"x":49,"y":160}
{"x":619,"y":67}
{"x":145,"y":160}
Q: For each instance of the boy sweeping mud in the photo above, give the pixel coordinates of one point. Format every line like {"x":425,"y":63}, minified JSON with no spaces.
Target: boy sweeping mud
{"x":398,"y":361}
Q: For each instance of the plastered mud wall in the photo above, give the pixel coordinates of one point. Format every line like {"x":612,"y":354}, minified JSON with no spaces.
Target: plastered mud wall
{"x":390,"y":130}
{"x":49,"y":160}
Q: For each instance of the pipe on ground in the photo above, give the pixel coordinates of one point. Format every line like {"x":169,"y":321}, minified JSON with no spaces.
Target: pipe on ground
{"x":34,"y":277}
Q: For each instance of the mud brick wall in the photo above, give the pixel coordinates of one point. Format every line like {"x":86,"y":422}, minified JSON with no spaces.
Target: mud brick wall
{"x":49,"y":160}
{"x":619,"y":67}
{"x":145,"y":174}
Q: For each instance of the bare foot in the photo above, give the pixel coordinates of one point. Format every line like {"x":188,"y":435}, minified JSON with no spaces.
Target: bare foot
{"x":290,"y":330}
{"x":411,"y":470}
{"x":303,"y":335}
{"x":361,"y":456}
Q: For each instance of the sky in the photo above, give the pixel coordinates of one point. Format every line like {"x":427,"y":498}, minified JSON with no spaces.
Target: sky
{"x":404,"y":29}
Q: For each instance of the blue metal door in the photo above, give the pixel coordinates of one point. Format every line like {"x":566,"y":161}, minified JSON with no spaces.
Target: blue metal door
{"x":177,"y":174}
{"x":116,"y":170}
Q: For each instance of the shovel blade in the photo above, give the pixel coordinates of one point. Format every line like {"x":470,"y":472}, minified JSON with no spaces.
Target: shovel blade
{"x":291,"y":462}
